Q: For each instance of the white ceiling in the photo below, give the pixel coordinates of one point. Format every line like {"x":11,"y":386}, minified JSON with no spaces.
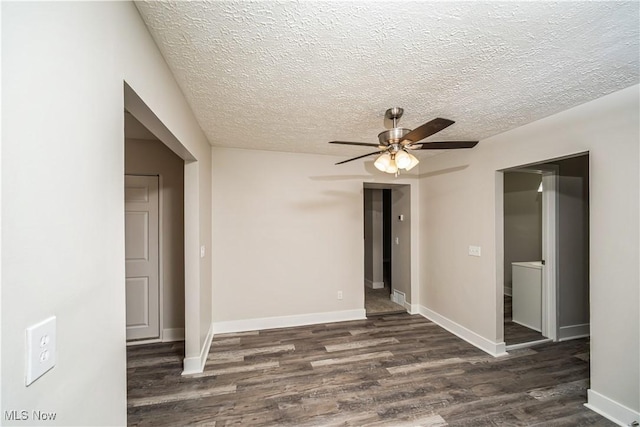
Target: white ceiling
{"x":291,"y":76}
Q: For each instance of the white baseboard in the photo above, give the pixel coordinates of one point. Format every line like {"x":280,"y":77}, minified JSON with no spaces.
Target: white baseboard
{"x":493,"y":348}
{"x":573,"y":332}
{"x":398,"y":297}
{"x":287,"y":321}
{"x":172,"y":334}
{"x":373,"y":285}
{"x":412,"y":308}
{"x":611,"y":409}
{"x":195,"y":365}
{"x":142,"y":342}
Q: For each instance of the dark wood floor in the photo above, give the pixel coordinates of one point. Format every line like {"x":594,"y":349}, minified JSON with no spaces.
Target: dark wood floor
{"x":399,"y":370}
{"x":513,"y":332}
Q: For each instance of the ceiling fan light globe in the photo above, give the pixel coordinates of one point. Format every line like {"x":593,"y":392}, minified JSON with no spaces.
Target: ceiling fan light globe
{"x":392,"y":168}
{"x":382,"y":162}
{"x":414,"y":162}
{"x":402,"y":159}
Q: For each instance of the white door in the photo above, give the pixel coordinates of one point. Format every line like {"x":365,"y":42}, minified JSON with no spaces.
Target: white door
{"x":141,"y":254}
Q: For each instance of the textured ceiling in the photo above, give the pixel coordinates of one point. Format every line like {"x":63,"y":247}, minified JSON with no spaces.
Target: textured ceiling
{"x":290,"y":76}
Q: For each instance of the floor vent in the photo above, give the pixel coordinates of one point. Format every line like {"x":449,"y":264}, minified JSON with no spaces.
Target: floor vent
{"x":398,"y":297}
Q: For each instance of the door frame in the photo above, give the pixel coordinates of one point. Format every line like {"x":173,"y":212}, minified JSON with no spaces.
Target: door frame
{"x":412,"y":308}
{"x":194,"y":352}
{"x":549,"y":303}
{"x":160,"y":268}
{"x":550,"y":217}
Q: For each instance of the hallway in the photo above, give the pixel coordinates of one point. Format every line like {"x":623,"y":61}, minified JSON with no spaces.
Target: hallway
{"x":377,"y":302}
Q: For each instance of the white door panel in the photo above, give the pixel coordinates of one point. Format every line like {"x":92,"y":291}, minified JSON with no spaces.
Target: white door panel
{"x":138,"y":302}
{"x":142,"y":257}
{"x":137,"y":236}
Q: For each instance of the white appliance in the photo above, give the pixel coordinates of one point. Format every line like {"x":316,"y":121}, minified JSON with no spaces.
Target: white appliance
{"x":527,"y":294}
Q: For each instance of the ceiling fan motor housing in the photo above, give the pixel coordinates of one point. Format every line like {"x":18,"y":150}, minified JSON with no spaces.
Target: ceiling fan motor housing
{"x":392,"y":136}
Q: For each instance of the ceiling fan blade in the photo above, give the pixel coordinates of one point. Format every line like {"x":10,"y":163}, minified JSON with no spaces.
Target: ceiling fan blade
{"x":366,"y":144}
{"x":427,"y":129}
{"x":359,"y":157}
{"x":443,"y":145}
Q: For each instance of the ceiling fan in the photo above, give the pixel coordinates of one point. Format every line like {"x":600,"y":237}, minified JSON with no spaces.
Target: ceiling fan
{"x":395,"y":143}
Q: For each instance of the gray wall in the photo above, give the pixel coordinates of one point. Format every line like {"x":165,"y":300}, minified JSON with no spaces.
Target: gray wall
{"x":373,"y":238}
{"x":148,"y":157}
{"x":522,"y":221}
{"x":573,"y":246}
{"x":401,"y":252}
{"x":458,"y":194}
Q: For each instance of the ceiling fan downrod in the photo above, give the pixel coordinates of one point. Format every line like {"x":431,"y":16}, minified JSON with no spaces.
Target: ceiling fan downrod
{"x":395,"y":134}
{"x":394,"y":114}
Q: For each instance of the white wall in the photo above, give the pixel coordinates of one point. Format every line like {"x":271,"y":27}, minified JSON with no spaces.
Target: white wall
{"x":64,"y":65}
{"x":458,"y":198}
{"x":149,"y":157}
{"x":288,"y":233}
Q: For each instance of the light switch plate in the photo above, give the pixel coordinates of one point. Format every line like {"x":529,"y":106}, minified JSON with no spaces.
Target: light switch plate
{"x":41,"y":348}
{"x":474,"y":250}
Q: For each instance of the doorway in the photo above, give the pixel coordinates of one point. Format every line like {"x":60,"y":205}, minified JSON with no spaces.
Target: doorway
{"x":195,"y":289}
{"x":546,"y":252}
{"x":161,"y":299}
{"x":387,"y":248}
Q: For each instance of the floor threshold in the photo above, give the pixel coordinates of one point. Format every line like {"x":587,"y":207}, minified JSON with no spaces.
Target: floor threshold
{"x":527,"y":344}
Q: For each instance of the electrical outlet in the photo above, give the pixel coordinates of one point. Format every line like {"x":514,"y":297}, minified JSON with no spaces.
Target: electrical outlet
{"x":474,"y":251}
{"x":339,"y":294}
{"x":41,"y":348}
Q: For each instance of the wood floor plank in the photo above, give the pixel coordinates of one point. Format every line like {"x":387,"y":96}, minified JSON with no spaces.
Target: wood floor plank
{"x":225,"y":342}
{"x":235,"y":354}
{"x":405,"y":369}
{"x":154,"y":361}
{"x":351,"y":359}
{"x":360,"y":344}
{"x":175,"y":397}
{"x":236,"y":369}
{"x":391,"y":329}
{"x":396,"y":370}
